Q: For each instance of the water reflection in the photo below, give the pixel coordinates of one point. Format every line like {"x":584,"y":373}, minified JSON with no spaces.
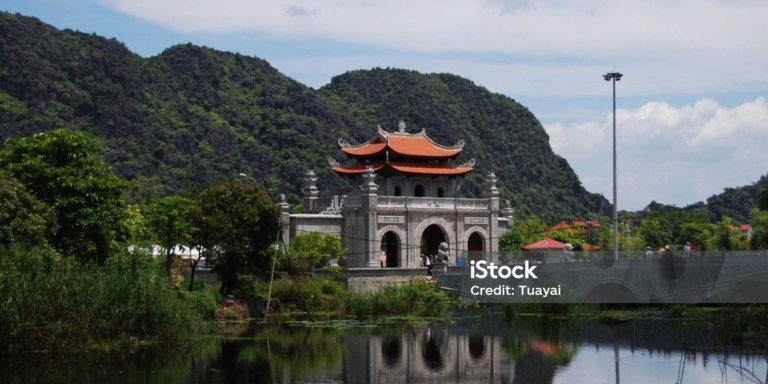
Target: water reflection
{"x":469,"y":349}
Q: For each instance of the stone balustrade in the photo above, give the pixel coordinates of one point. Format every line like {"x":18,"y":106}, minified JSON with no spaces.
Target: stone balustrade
{"x":441,"y":203}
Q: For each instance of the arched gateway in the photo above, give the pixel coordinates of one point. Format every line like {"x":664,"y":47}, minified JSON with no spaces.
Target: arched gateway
{"x":405,"y":201}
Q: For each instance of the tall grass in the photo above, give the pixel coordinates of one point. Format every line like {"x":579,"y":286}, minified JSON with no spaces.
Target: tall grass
{"x":47,"y":303}
{"x":417,"y":298}
{"x":327,"y":297}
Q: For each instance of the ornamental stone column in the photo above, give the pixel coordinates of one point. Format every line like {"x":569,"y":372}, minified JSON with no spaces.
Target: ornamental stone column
{"x":370,"y":200}
{"x":285,"y":219}
{"x":492,"y":193}
{"x":310,"y":191}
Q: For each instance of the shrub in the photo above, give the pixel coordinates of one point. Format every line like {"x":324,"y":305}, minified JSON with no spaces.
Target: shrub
{"x":47,"y":303}
{"x":418,"y":298}
{"x":319,"y":295}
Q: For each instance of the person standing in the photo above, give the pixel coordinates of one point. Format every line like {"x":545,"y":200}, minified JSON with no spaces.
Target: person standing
{"x":687,"y":250}
{"x":383,"y":258}
{"x":649,"y":254}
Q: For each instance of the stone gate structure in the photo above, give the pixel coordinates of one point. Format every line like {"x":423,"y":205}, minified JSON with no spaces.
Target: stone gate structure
{"x":405,"y":204}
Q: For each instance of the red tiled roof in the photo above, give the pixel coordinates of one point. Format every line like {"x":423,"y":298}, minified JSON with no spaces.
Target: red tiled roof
{"x":578,"y":224}
{"x":591,"y":247}
{"x":544,"y":245}
{"x":356,"y":169}
{"x":416,"y":169}
{"x":367,"y":149}
{"x":404,"y":144}
{"x":559,"y":226}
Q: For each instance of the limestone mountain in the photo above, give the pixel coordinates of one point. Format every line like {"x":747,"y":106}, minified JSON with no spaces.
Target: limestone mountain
{"x":192,"y":116}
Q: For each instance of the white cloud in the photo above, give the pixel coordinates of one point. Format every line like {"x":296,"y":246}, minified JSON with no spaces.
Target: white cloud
{"x":674,"y":155}
{"x":548,"y":47}
{"x":546,"y":27}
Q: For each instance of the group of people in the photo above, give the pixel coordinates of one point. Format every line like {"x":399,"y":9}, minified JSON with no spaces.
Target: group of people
{"x":666,"y":251}
{"x":426,"y":260}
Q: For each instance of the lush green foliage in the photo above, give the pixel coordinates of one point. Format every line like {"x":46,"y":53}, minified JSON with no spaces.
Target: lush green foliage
{"x":65,"y":304}
{"x":171,"y":222}
{"x":306,"y":294}
{"x":61,"y":168}
{"x":725,"y":237}
{"x":238,"y":225}
{"x":522,"y":233}
{"x":759,"y":221}
{"x":565,"y":236}
{"x":652,"y":234}
{"x":737,"y":203}
{"x":24,"y":219}
{"x":311,"y":250}
{"x":418,"y":298}
{"x":323,"y":296}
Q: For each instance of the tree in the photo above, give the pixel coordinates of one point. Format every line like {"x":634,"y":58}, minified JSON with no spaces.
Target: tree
{"x":238,"y":224}
{"x":171,"y":222}
{"x":566,"y":236}
{"x":63,"y":169}
{"x":313,"y":250}
{"x":697,"y":234}
{"x":525,"y":232}
{"x":724,"y":236}
{"x":759,"y":221}
{"x":24,"y":219}
{"x":653,"y":234}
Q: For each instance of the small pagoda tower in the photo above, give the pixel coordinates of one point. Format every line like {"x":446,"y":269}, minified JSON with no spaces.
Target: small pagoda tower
{"x":406,"y":203}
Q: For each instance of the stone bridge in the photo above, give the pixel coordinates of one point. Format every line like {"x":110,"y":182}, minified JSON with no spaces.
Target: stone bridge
{"x":715,"y":278}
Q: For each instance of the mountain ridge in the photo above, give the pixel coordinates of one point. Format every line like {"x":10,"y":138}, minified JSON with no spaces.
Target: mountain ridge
{"x":192,"y":116}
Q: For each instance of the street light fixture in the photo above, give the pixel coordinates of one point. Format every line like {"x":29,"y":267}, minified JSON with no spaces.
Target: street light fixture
{"x":247,"y":177}
{"x":614,"y":77}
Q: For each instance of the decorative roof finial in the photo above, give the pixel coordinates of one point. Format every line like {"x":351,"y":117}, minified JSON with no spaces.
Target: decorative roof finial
{"x":401,"y":126}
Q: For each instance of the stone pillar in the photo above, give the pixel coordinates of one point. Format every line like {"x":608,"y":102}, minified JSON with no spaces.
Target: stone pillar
{"x":509,"y":213}
{"x":492,"y":193}
{"x":285,"y":219}
{"x":370,"y":200}
{"x":310,"y":192}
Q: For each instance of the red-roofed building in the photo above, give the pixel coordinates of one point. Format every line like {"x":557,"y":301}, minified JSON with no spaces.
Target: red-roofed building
{"x":405,"y":204}
{"x":745,"y":229}
{"x":578,"y":227}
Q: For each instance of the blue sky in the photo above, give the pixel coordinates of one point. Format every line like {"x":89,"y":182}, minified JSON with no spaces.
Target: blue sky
{"x":692,"y":114}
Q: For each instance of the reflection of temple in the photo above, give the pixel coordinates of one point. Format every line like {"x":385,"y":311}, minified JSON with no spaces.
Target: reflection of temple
{"x":430,"y":355}
{"x":405,"y":203}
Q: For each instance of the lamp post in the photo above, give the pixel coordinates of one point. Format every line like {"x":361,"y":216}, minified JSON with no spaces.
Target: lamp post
{"x":247,"y":177}
{"x":614,"y":77}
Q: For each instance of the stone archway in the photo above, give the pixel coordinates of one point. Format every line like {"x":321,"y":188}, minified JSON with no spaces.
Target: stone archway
{"x":475,"y":246}
{"x":390,"y":243}
{"x":431,"y":238}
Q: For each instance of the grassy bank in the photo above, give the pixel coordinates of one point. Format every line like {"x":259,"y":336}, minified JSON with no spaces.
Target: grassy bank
{"x":319,"y":297}
{"x":49,"y":303}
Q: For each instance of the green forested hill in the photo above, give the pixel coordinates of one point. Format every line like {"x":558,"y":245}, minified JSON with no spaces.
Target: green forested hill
{"x":192,"y":116}
{"x":736,"y":203}
{"x":501,"y":134}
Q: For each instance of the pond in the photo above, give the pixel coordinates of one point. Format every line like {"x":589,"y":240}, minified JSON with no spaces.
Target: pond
{"x":468,"y":349}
